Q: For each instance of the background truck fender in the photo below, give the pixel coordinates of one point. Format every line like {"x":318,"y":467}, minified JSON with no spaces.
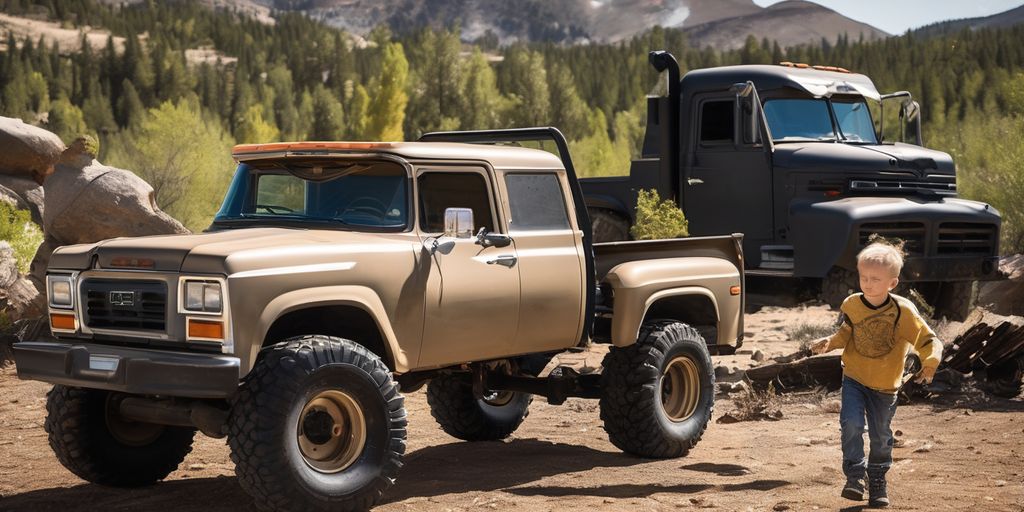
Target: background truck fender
{"x":640,"y":285}
{"x":357,"y":296}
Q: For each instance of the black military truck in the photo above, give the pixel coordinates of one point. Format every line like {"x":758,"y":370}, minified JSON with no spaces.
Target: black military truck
{"x":791,"y":156}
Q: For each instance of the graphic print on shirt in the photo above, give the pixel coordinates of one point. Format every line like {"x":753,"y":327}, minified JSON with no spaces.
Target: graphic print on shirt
{"x":875,"y":335}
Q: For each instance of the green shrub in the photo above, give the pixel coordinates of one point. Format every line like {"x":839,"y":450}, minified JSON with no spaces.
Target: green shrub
{"x":657,"y":219}
{"x":17,"y":229}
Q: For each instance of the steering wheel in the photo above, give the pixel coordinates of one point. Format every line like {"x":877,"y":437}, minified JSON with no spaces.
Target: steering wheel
{"x":370,"y":205}
{"x":272,"y":208}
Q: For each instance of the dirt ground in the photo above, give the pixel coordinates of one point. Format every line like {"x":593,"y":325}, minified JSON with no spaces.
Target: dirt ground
{"x":958,"y":452}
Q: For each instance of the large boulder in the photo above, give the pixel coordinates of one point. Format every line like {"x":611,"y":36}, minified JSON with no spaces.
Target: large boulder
{"x":87,"y":201}
{"x":28,"y":152}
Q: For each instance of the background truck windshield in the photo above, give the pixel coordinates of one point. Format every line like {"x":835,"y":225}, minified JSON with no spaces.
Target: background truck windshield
{"x":809,"y":119}
{"x":372,"y":194}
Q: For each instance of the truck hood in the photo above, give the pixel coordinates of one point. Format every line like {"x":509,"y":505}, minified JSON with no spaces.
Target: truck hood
{"x":223,"y":252}
{"x":892,"y":159}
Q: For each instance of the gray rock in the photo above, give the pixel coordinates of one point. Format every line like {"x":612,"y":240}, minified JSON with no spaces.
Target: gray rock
{"x":757,"y":356}
{"x":28,"y":192}
{"x":29,"y":152}
{"x":8,"y":265}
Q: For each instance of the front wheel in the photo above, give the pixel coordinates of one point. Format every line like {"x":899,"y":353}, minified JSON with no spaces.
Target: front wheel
{"x":1005,"y":379}
{"x":92,"y":440}
{"x":318,"y":424}
{"x":658,"y":394}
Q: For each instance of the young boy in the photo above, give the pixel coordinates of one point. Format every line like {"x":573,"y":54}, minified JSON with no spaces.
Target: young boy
{"x":878,"y":331}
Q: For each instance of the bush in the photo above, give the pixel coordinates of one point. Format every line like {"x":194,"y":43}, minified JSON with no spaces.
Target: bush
{"x":656,"y":219}
{"x":17,"y":228}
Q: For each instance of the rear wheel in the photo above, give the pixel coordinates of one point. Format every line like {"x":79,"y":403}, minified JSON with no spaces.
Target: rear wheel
{"x":318,"y":424}
{"x":658,"y":394}
{"x":608,"y":226}
{"x":461,"y":415}
{"x":92,"y":440}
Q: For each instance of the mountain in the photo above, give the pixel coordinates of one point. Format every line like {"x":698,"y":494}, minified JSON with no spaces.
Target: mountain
{"x":719,"y":23}
{"x":1000,"y":20}
{"x":789,"y":23}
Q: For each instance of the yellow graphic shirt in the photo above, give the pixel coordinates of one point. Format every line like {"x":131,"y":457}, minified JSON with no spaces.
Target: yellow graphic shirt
{"x":877,"y":339}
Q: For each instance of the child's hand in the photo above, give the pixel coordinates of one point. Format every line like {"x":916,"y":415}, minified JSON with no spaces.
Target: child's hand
{"x":819,"y":347}
{"x":925,"y":376}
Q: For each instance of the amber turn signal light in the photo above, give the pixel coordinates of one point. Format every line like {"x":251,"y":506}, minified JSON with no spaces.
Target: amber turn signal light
{"x":205,"y":329}
{"x":734,"y":290}
{"x":64,"y":322}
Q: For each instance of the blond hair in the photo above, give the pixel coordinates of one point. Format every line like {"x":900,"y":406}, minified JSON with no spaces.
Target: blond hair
{"x":882,"y":254}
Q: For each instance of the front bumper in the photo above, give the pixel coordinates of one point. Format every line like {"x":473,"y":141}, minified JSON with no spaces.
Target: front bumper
{"x":128,"y":370}
{"x":982,"y":268}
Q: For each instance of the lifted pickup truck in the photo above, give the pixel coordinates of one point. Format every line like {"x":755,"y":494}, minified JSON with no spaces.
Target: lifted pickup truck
{"x":338,"y":276}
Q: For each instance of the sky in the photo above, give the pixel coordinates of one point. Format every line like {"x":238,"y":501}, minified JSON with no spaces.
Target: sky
{"x":896,"y":16}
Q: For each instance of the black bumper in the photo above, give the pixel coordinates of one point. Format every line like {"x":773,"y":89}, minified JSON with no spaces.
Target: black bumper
{"x":135,"y":371}
{"x":982,"y":268}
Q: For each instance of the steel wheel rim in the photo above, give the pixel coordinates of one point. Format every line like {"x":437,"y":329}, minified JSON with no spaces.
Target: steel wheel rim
{"x":499,"y":398}
{"x":331,"y":431}
{"x":680,"y":388}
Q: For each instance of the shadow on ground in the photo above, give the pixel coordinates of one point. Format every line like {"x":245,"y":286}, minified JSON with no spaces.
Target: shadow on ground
{"x":452,"y":468}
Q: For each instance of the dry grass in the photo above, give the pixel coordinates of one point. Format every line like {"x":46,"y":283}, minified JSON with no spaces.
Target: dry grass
{"x":807,"y":332}
{"x":752,"y":405}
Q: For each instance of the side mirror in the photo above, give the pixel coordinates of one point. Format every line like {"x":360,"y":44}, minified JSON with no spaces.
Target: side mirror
{"x":458,"y":222}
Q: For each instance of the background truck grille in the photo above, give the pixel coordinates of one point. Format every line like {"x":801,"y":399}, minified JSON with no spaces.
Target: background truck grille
{"x":107,"y":305}
{"x":912,"y":233}
{"x":963,"y":238}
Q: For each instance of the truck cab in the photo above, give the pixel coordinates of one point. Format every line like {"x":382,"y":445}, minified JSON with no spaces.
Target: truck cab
{"x":793,"y":157}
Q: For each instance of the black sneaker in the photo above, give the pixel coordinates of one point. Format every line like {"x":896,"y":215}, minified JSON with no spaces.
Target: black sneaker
{"x":877,"y":495}
{"x":854,"y":489}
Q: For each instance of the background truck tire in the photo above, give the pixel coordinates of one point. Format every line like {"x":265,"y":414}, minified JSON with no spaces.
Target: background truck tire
{"x":658,"y":394}
{"x":608,"y":226}
{"x":463,"y":416}
{"x":318,"y":424}
{"x":955,"y":300}
{"x":1005,"y":379}
{"x":838,"y":285}
{"x":93,"y":442}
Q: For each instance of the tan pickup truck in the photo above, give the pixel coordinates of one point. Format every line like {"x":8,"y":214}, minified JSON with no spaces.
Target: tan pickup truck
{"x":338,"y":276}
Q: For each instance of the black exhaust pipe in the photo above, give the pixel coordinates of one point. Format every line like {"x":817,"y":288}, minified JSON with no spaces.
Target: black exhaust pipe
{"x":662,"y":60}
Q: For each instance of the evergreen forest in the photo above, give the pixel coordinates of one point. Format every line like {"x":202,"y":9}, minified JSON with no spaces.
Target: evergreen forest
{"x":172,"y":117}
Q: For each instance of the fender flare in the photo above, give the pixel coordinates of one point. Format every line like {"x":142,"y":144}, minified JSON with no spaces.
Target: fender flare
{"x":360,"y":297}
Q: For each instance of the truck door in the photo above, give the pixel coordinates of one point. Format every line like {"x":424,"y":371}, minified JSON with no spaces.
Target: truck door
{"x":730,"y":181}
{"x":549,"y":247}
{"x":471,"y":309}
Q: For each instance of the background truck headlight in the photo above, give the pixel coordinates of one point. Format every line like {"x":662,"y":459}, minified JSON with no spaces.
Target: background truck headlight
{"x":61,"y":291}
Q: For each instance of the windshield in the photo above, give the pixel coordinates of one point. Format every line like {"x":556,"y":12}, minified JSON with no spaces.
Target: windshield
{"x":792,"y":120}
{"x":365,"y":194}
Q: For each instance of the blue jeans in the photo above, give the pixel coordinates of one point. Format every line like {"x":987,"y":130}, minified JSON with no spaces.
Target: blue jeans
{"x":859,"y":402}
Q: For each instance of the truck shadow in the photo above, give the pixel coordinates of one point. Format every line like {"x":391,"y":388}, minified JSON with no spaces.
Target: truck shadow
{"x":432,"y":471}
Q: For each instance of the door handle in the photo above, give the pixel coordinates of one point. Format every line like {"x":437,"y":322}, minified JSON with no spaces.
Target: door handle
{"x":506,"y":260}
{"x":694,"y":181}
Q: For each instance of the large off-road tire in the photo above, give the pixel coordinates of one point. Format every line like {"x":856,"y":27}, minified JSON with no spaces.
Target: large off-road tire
{"x":838,"y":285}
{"x":658,"y":394}
{"x":92,"y":440}
{"x":608,"y":226}
{"x":463,"y":416}
{"x":318,"y":424}
{"x":1005,"y":379}
{"x":955,"y":300}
